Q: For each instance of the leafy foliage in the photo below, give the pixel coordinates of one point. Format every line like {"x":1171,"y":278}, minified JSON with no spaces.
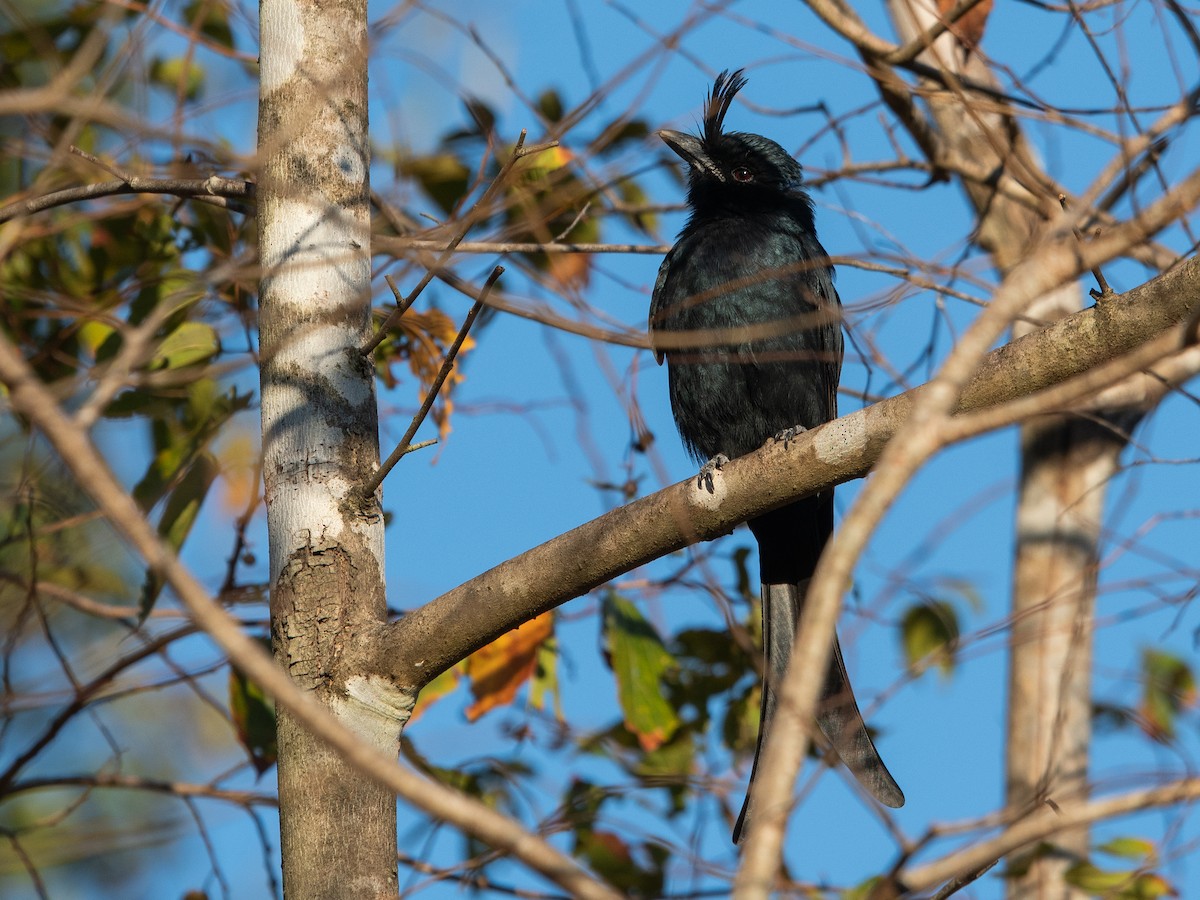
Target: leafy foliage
{"x":253,"y":714}
{"x":1138,"y":883}
{"x":639,"y":662}
{"x":1168,"y":689}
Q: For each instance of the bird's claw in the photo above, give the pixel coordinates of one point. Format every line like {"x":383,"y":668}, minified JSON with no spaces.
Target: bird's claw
{"x":789,"y":434}
{"x":704,"y":479}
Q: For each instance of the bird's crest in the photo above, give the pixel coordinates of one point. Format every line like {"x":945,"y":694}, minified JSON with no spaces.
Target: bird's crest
{"x":723,"y":91}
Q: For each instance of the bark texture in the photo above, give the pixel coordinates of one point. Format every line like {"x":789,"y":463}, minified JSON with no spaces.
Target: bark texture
{"x":320,"y":440}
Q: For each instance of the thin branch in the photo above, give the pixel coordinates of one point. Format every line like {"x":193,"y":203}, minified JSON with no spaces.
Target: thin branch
{"x":139,"y":783}
{"x":1105,"y":290}
{"x":402,"y":303}
{"x":399,"y":245}
{"x":919,"y":44}
{"x":214,"y":190}
{"x":97,"y":608}
{"x":1041,"y":824}
{"x":101,"y":164}
{"x":404,"y":447}
{"x":952,"y":887}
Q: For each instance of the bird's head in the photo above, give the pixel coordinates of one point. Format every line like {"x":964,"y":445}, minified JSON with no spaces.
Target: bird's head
{"x":734,"y":168}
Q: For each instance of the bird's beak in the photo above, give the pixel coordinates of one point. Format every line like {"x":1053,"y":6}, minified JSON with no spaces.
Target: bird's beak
{"x":691,"y":150}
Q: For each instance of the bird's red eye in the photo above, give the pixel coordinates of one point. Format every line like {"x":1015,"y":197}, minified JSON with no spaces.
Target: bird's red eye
{"x":742,"y":174}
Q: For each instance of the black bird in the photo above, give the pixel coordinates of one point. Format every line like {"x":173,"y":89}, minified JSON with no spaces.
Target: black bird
{"x":745,"y":314}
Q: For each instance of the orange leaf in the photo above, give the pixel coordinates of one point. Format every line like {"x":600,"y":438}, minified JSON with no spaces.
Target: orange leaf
{"x":571,"y":269}
{"x":498,"y":670}
{"x":969,"y":28}
{"x":238,"y":458}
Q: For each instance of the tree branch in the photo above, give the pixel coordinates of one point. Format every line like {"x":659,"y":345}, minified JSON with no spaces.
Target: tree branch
{"x":430,"y":639}
{"x":1042,"y":824}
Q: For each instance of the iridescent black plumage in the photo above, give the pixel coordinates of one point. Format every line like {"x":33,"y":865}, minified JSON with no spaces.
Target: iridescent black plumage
{"x":750,"y":282}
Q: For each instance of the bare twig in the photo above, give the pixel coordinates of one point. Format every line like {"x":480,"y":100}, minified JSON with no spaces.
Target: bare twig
{"x":101,"y":164}
{"x":1105,"y":291}
{"x":400,"y":244}
{"x":952,"y":887}
{"x":138,"y":783}
{"x":404,"y":447}
{"x":213,"y":190}
{"x":402,"y":303}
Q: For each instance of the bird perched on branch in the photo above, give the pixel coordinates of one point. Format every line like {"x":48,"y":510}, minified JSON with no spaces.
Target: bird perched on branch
{"x":745,"y":313}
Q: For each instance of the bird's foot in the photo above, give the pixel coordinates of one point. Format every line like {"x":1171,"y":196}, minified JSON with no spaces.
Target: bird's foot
{"x":704,"y":479}
{"x":790,"y":434}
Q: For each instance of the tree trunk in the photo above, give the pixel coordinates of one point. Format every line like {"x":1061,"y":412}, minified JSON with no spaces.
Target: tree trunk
{"x":320,"y":436}
{"x":1066,"y":463}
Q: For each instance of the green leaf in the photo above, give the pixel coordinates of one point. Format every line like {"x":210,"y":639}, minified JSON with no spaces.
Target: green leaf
{"x":441,"y":175}
{"x":929,"y":632}
{"x":639,"y":661}
{"x":214,"y":20}
{"x":178,"y":74}
{"x":1169,"y":688}
{"x":745,"y":584}
{"x":739,"y":728}
{"x":179,"y":515}
{"x":253,"y":714}
{"x":1138,"y":849}
{"x":1151,"y":885}
{"x":481,"y":114}
{"x":187,"y":345}
{"x":185,"y":500}
{"x":550,"y":105}
{"x":675,"y":758}
{"x":633,"y":196}
{"x":620,"y":131}
{"x":615,"y":861}
{"x":544,"y":682}
{"x":1091,"y":878}
{"x":865,"y":891}
{"x":100,"y":339}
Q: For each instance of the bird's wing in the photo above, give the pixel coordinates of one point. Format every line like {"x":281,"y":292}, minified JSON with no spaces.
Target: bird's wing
{"x":659,"y":303}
